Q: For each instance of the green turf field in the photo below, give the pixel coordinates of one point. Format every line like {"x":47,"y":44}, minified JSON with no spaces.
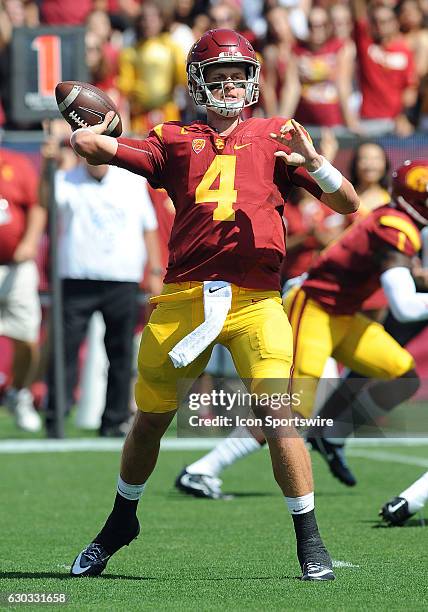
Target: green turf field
{"x":205,"y":555}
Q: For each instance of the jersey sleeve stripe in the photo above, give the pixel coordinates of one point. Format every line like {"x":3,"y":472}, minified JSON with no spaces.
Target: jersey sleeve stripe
{"x":121,"y":144}
{"x":403,"y":226}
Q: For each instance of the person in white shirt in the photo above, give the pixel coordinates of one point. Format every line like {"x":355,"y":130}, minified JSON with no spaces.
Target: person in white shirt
{"x":107,"y":234}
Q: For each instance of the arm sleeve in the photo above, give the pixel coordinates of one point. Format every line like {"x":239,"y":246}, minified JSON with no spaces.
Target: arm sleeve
{"x":144,"y":157}
{"x":405,"y":303}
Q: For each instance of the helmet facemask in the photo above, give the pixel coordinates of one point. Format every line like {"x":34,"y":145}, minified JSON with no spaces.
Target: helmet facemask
{"x":412,"y":210}
{"x":201,"y":92}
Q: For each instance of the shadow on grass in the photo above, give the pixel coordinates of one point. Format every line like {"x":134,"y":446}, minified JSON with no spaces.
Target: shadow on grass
{"x":181,"y":578}
{"x":414,"y":522}
{"x":176,"y":495}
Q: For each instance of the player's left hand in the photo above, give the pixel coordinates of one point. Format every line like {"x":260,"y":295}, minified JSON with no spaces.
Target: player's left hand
{"x":303,"y":152}
{"x":155,"y":284}
{"x":25,"y":251}
{"x":420,"y":274}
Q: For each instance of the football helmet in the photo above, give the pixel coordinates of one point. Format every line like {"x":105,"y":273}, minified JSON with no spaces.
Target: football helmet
{"x":410,"y":189}
{"x":228,"y":47}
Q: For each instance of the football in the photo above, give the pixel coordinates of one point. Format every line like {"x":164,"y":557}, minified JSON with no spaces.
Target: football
{"x":83,"y":105}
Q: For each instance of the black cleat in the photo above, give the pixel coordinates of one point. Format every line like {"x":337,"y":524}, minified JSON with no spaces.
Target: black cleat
{"x":90,"y":562}
{"x":317,"y":571}
{"x":314,"y":559}
{"x":334,"y":455}
{"x":199,"y":485}
{"x":395,"y":512}
{"x":93,"y":560}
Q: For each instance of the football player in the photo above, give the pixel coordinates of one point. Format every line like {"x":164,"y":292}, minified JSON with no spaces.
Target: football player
{"x":325,"y":318}
{"x":228,"y":182}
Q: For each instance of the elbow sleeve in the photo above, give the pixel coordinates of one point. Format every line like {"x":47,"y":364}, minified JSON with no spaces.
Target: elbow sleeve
{"x":405,"y":303}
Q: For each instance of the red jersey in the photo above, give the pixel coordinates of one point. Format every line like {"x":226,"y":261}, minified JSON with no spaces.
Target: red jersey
{"x":349,"y":270}
{"x":64,"y":12}
{"x":384,"y":73}
{"x":18,"y":192}
{"x":228,"y":194}
{"x":319,"y":98}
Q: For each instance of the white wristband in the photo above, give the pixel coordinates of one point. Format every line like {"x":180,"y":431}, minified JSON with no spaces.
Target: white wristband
{"x":73,"y":136}
{"x":327,"y":177}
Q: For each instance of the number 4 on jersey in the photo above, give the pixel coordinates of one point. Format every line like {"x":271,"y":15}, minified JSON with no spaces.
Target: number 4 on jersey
{"x":226,"y":195}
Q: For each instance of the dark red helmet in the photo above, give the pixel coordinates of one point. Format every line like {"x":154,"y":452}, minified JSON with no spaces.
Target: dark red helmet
{"x":410,"y":189}
{"x":222,"y":46}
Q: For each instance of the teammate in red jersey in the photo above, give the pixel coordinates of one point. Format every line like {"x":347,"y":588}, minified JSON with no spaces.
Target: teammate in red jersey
{"x":375,"y":252}
{"x":228,"y":181}
{"x":324,"y":315}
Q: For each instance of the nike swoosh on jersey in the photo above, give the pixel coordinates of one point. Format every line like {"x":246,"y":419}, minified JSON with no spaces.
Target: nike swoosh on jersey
{"x":236,"y":147}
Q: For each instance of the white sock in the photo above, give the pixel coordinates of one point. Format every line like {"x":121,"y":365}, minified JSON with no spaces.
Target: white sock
{"x":302,"y":504}
{"x":226,"y":453}
{"x":417,"y":494}
{"x":129,"y":491}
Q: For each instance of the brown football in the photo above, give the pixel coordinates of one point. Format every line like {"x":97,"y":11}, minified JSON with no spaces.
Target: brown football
{"x":83,"y":105}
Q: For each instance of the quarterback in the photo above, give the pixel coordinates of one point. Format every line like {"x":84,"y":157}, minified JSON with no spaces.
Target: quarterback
{"x":228,"y":180}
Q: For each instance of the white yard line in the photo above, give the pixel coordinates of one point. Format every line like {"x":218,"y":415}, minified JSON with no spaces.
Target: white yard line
{"x":387,"y":457}
{"x":174,"y":444}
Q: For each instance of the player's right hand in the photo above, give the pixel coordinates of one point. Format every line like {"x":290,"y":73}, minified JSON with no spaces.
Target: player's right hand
{"x":101,"y":128}
{"x":303,"y":152}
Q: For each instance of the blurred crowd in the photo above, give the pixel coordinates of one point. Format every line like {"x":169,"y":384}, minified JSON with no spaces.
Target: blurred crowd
{"x":354,"y":65}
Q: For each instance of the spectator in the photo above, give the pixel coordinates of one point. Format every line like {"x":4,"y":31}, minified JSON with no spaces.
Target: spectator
{"x":318,"y":81}
{"x":151,"y":71}
{"x":64,"y":12}
{"x":107,"y":231}
{"x":102,"y":71}
{"x":369,"y":171}
{"x":411,"y":20}
{"x":228,"y":15}
{"x":22,"y":221}
{"x":182,"y":24}
{"x":341,"y":20}
{"x":99,"y":23}
{"x":276,"y":54}
{"x":387,"y":74}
